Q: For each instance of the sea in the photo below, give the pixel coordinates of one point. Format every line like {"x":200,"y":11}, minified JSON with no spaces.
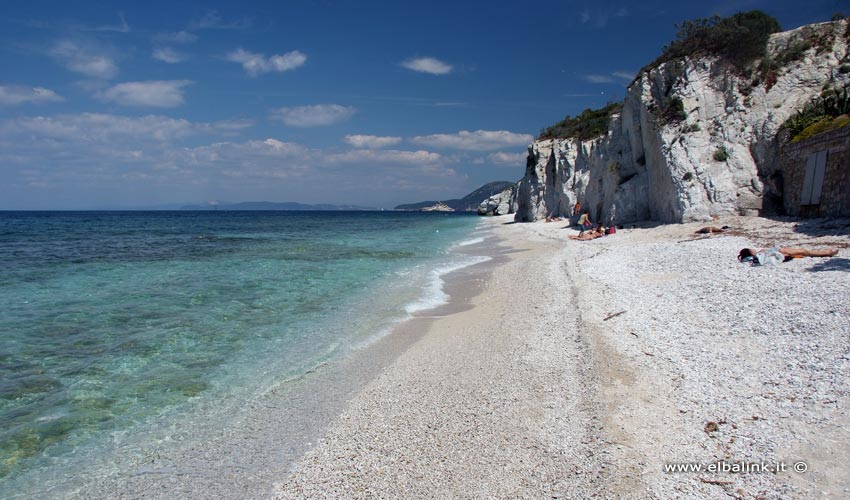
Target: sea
{"x":110,"y":321}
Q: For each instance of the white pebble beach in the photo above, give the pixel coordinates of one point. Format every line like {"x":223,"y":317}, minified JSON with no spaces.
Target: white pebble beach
{"x":581,"y":368}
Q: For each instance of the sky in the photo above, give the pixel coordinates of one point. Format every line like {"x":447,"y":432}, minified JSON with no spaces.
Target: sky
{"x":115,"y":104}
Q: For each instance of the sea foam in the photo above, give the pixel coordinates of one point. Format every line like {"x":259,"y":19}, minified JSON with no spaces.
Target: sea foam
{"x":434,"y":294}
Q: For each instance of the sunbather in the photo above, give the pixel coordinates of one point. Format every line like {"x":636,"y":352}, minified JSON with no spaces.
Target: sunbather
{"x":788,"y":253}
{"x":712,"y":229}
{"x":589,"y":235}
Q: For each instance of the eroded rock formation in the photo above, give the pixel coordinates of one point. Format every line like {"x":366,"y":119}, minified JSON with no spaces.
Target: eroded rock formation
{"x":713,"y":157}
{"x":503,"y":203}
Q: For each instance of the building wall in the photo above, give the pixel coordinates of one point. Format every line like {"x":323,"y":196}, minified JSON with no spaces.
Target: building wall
{"x":835,"y":197}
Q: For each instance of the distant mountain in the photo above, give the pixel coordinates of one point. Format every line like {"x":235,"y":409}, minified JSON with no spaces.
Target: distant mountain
{"x":270,"y":205}
{"x":468,"y":203}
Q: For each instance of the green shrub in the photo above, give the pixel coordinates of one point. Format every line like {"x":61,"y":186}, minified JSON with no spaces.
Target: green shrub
{"x":720,"y":154}
{"x":688,"y":176}
{"x":802,"y":120}
{"x":739,"y":39}
{"x":838,"y":103}
{"x":693,"y":127}
{"x":824,"y":41}
{"x":844,"y":69}
{"x":768,"y":72}
{"x":820,"y":112}
{"x":673,"y":110}
{"x":587,"y":125}
{"x":823,"y":125}
{"x":793,"y":52}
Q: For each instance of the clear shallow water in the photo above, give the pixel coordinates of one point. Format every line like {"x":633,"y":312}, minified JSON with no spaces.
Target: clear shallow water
{"x":109,"y":320}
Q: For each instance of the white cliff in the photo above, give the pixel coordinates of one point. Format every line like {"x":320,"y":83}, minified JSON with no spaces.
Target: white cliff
{"x":648,"y":167}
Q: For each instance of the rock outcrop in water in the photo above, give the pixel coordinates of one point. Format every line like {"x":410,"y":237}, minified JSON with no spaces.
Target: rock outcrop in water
{"x":715,"y":156}
{"x":503,"y":203}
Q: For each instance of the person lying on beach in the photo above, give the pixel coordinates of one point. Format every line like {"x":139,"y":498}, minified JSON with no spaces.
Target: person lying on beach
{"x":787,"y":253}
{"x":712,"y":229}
{"x":553,"y":219}
{"x":589,"y":235}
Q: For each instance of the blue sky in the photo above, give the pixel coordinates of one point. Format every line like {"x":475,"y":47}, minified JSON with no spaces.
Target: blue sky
{"x":127,"y":104}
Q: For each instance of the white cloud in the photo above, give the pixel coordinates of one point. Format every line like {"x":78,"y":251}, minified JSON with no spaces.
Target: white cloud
{"x":599,"y":78}
{"x":212,"y":21}
{"x":611,"y":77}
{"x":177,"y":37}
{"x":155,"y":93}
{"x":168,"y":55}
{"x":119,"y":28}
{"x":600,"y":17}
{"x":625,"y":75}
{"x":235,"y":153}
{"x":371,"y":141}
{"x":427,"y":65}
{"x":110,"y":159}
{"x":84,"y":59}
{"x":14,"y":94}
{"x":480,"y":140}
{"x":257,"y":64}
{"x":313,"y":116}
{"x":502,"y":158}
{"x":385,"y":156}
{"x":100,"y":128}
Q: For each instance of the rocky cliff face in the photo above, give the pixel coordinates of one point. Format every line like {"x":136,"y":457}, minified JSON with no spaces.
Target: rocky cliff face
{"x":718,"y":156}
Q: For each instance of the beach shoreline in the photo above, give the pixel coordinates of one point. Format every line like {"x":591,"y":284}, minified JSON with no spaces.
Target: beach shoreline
{"x":585,"y":368}
{"x":474,"y":406}
{"x":236,"y":443}
{"x":559,"y":369}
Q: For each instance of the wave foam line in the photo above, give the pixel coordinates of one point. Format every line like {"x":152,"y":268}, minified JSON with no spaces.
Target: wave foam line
{"x":434,"y":296}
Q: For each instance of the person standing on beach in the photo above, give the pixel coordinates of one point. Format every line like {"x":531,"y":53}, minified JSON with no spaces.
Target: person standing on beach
{"x":584,"y":222}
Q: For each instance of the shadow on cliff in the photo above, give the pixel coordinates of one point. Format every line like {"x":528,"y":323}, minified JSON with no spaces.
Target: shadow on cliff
{"x":834,"y":264}
{"x":816,"y":227}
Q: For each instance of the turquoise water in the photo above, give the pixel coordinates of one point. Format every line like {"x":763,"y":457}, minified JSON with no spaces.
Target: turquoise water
{"x":109,"y":320}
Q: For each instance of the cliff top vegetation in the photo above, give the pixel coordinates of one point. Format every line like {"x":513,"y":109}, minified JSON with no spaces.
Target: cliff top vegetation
{"x":739,"y":39}
{"x":587,"y":125}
